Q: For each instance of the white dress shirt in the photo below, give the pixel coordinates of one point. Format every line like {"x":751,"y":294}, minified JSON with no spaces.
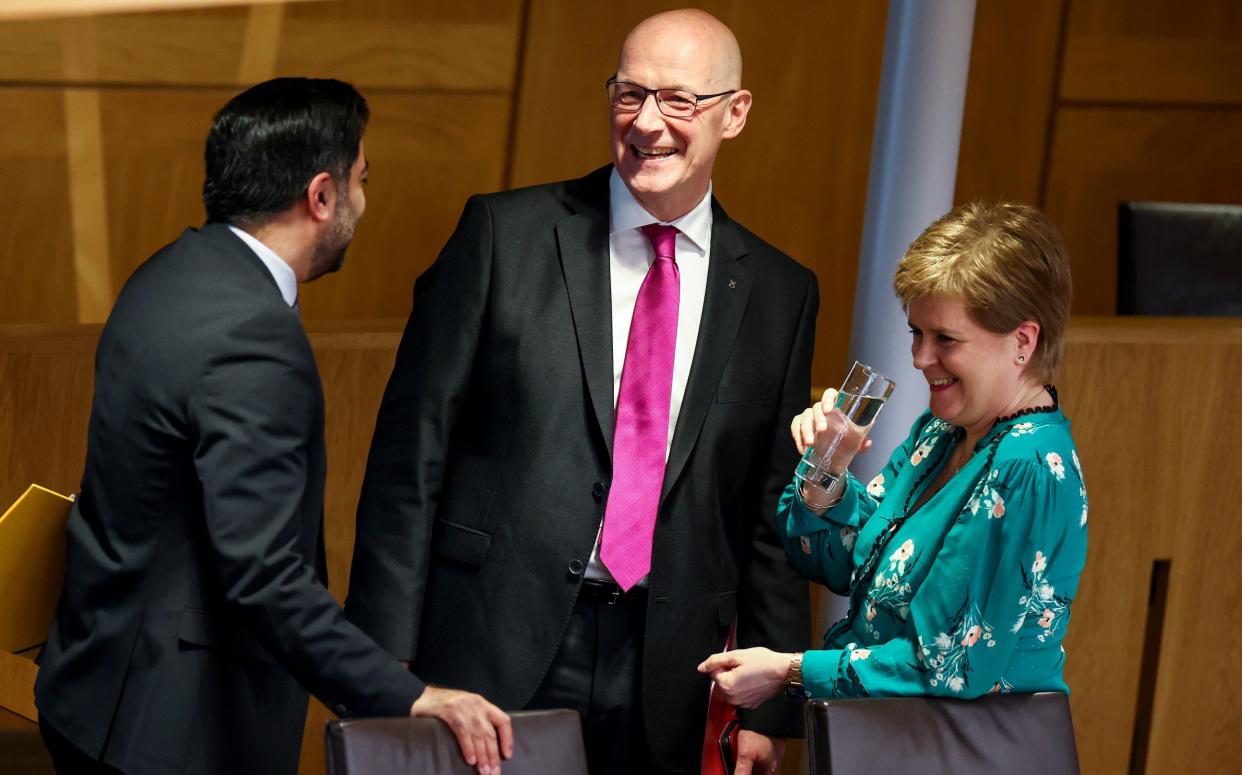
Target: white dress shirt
{"x":281,"y":272}
{"x":630,"y":255}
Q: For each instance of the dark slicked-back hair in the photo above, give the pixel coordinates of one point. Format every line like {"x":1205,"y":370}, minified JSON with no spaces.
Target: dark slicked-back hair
{"x":268,"y":142}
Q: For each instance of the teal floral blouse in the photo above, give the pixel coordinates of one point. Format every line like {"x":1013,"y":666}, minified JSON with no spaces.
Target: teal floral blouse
{"x":968,"y":595}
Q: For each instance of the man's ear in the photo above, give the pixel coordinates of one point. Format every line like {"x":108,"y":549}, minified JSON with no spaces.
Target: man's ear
{"x":321,"y":197}
{"x":736,"y":112}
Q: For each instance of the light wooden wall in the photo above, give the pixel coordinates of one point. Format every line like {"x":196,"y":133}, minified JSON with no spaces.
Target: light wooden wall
{"x":1151,"y":402}
{"x":102,"y":123}
{"x":1079,"y":105}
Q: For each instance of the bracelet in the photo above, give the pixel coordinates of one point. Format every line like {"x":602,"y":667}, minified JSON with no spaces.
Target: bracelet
{"x":832,"y":501}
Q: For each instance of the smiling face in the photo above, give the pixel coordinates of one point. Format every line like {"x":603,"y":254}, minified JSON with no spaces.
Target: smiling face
{"x":667,"y":162}
{"x":974,"y":374}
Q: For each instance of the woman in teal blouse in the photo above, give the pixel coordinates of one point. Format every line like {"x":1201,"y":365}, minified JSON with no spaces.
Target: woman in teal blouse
{"x":962,"y":557}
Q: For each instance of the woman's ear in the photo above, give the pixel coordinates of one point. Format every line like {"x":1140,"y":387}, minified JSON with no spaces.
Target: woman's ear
{"x":1026,"y":337}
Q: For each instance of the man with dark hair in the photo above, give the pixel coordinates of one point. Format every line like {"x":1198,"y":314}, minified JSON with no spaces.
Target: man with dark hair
{"x":571,"y":488}
{"x":194,"y":617}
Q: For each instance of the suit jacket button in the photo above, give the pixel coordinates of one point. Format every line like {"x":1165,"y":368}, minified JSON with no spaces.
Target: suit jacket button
{"x":576,"y":566}
{"x":598,"y":490}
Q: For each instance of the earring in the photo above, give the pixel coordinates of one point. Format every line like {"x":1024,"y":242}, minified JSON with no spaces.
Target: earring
{"x":1021,"y":359}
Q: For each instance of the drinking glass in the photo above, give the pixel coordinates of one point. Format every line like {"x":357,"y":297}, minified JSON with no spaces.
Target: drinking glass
{"x":859,"y":401}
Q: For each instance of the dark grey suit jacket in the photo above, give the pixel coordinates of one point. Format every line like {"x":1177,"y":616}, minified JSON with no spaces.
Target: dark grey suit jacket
{"x":491,"y":459}
{"x":194,"y":615}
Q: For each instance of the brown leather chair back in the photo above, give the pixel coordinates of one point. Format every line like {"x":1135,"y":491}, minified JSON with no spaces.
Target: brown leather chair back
{"x":1014,"y":734}
{"x":546,"y":741}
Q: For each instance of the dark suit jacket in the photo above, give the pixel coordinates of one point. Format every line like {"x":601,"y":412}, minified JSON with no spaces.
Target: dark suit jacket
{"x":194,"y":609}
{"x":489,"y":468}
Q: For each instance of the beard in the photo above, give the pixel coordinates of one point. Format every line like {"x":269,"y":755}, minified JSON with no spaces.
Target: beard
{"x":329,"y":252}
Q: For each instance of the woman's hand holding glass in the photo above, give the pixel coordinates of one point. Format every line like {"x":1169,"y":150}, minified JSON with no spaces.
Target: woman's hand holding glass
{"x":818,"y":427}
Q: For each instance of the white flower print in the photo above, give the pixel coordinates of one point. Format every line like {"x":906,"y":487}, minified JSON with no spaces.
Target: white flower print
{"x":988,"y":498}
{"x":1041,"y":600}
{"x":1022,"y":429}
{"x":876,"y":486}
{"x":1001,"y":687}
{"x":848,"y":535}
{"x":858,"y":655}
{"x":1083,"y":522}
{"x":1077,"y":465}
{"x":1055,"y":465}
{"x":889,"y":593}
{"x":922,"y":452}
{"x":951,"y":661}
{"x":897,"y":560}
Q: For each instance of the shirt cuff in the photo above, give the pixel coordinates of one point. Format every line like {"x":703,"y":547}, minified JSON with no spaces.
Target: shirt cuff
{"x":820,"y":670}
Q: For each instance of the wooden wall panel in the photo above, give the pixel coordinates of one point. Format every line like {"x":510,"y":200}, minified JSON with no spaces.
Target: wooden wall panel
{"x":373,"y":43}
{"x":416,"y":192}
{"x":797,"y":175}
{"x":428,"y":153}
{"x":46,"y":382}
{"x":36,"y":246}
{"x":1104,"y":156}
{"x":189,"y":47}
{"x":413,"y":44}
{"x":153,"y":157}
{"x":1156,"y":51}
{"x":1146,"y":399}
{"x":1009,"y":100}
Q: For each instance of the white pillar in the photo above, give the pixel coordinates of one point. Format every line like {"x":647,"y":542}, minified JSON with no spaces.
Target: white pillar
{"x":918,"y":128}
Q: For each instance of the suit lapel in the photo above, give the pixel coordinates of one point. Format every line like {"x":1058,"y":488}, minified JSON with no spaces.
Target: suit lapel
{"x":582,"y":238}
{"x":724,"y":305}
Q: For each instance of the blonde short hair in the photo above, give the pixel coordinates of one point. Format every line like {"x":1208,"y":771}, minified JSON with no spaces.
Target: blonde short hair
{"x":1005,"y":262}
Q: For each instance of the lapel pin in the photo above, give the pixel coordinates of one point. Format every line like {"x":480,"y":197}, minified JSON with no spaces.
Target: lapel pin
{"x":732,"y":283}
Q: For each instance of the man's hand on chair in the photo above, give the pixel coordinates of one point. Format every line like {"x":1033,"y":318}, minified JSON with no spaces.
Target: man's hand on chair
{"x":483,"y":731}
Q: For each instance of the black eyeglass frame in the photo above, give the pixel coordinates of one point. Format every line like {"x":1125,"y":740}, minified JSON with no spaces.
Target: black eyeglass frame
{"x":698,"y":98}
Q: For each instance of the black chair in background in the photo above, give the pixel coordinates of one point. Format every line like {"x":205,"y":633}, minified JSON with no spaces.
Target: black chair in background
{"x":1179,"y":259}
{"x":1014,"y":734}
{"x":544,"y":741}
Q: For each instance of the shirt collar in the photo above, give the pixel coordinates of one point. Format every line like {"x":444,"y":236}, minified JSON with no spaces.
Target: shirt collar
{"x":625,"y":212}
{"x":281,"y":272}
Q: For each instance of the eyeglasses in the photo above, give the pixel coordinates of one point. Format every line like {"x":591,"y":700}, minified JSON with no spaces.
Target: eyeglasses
{"x":674,"y":103}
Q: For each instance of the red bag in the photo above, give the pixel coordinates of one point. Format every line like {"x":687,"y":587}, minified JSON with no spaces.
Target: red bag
{"x":720,"y":738}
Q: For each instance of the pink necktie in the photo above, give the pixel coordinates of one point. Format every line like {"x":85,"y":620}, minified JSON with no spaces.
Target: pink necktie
{"x":641,"y":435}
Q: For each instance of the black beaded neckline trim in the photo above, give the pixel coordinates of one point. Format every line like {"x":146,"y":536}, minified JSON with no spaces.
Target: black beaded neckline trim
{"x":1055,"y":405}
